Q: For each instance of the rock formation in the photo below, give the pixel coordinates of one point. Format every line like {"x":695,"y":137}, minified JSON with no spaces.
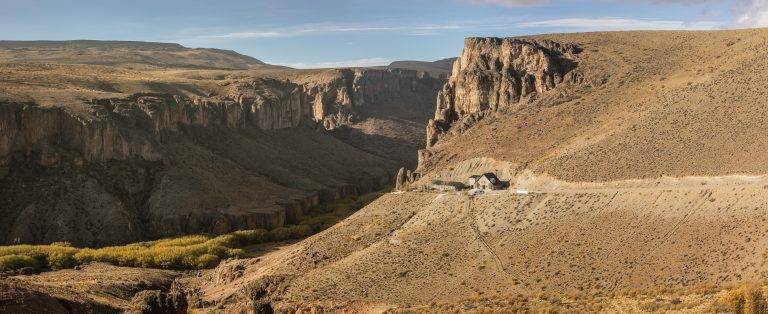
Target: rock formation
{"x":404,"y":179}
{"x":340,"y":99}
{"x":493,"y":73}
{"x":148,"y":165}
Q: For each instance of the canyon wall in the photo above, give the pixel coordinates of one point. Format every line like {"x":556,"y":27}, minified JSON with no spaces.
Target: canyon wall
{"x":345,"y":96}
{"x":151,"y":165}
{"x":495,"y":73}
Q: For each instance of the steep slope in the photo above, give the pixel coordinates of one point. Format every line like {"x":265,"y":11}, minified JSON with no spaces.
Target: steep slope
{"x":125,"y":54}
{"x":643,"y":106}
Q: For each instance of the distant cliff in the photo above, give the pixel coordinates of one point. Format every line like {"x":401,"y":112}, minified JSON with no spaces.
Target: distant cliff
{"x":348,"y":95}
{"x":255,"y":155}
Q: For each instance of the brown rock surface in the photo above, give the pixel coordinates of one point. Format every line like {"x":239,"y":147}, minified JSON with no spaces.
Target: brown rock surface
{"x":94,"y":288}
{"x":416,"y":248}
{"x":159,"y":152}
{"x":644,"y":105}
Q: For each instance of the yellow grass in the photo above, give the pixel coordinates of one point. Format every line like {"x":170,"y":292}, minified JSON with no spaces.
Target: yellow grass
{"x":184,"y":252}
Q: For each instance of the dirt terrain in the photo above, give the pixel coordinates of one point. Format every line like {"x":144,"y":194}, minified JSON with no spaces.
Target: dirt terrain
{"x":95,"y":288}
{"x":638,"y":183}
{"x":571,"y":241}
{"x":650,"y":104}
{"x":633,"y":168}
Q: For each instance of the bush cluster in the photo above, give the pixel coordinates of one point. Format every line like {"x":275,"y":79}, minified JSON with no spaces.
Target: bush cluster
{"x":185,"y":252}
{"x":748,"y":299}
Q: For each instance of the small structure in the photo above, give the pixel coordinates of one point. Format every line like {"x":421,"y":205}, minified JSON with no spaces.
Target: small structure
{"x":446,"y":186}
{"x":486,"y":181}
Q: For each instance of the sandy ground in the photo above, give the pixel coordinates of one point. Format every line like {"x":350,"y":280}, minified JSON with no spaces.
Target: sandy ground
{"x":587,"y":242}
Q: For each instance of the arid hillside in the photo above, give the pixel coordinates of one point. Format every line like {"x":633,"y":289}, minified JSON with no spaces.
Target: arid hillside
{"x":637,"y":184}
{"x":108,"y":152}
{"x":629,"y":105}
{"x":635,"y":170}
{"x":575,"y":242}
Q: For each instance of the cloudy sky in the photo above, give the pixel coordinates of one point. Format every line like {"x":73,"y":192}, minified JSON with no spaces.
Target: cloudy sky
{"x":333,"y":33}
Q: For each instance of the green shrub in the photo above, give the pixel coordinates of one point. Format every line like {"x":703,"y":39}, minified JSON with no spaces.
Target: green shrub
{"x":184,"y":252}
{"x":61,"y":260}
{"x":249,"y":237}
{"x":15,"y":261}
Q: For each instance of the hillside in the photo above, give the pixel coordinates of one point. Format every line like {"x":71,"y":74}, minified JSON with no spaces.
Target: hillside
{"x":644,"y":105}
{"x":635,"y":171}
{"x":574,"y":242}
{"x":637,"y":174}
{"x":437,"y":68}
{"x":132,"y":54}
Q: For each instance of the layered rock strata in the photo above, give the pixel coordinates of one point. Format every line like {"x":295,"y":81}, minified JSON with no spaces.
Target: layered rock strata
{"x":152,"y":165}
{"x":494,"y":73}
{"x":341,"y":99}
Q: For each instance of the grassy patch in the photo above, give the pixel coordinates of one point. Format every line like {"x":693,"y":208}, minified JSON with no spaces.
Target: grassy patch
{"x":184,"y":252}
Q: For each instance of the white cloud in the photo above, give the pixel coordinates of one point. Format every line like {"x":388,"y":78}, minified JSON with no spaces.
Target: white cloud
{"x":321,"y":29}
{"x":618,"y":23}
{"x":367,"y":62}
{"x":753,"y":13}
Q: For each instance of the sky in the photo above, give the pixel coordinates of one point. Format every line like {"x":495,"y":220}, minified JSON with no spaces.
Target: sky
{"x":338,"y":33}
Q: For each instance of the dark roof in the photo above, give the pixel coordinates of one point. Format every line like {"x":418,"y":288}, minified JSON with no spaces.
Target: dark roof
{"x":492,"y":177}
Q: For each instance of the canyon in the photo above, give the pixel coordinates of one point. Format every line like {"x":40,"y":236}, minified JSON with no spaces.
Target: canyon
{"x":637,"y":177}
{"x":100,"y":165}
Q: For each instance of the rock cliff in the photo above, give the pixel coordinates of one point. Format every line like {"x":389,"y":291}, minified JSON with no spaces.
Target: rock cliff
{"x":495,"y":73}
{"x":123,"y":169}
{"x":345,"y":96}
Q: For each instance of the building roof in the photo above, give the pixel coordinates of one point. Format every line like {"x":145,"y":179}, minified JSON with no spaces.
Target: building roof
{"x":492,"y":178}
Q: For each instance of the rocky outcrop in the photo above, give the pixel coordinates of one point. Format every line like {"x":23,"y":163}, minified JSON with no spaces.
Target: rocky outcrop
{"x":119,"y":129}
{"x":153,"y":165}
{"x":494,"y":73}
{"x":404,"y":179}
{"x":341,"y":98}
{"x":158,"y":302}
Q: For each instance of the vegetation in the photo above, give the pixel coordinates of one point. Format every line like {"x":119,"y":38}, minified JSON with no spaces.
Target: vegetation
{"x":748,"y":299}
{"x":185,"y":252}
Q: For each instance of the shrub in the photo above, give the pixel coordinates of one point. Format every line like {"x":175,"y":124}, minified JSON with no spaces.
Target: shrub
{"x":249,"y":237}
{"x":749,"y":299}
{"x":184,"y":252}
{"x":15,"y":261}
{"x":61,"y":260}
{"x":207,"y":261}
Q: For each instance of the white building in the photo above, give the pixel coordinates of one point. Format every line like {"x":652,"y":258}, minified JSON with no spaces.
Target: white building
{"x":486,"y":181}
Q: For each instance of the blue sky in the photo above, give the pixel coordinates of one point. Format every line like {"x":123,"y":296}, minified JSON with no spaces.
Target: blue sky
{"x":332,"y":33}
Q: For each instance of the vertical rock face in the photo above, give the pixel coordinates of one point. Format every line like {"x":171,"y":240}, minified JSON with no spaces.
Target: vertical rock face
{"x":500,"y":72}
{"x":118,"y":129}
{"x":342,"y":98}
{"x":152,"y":165}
